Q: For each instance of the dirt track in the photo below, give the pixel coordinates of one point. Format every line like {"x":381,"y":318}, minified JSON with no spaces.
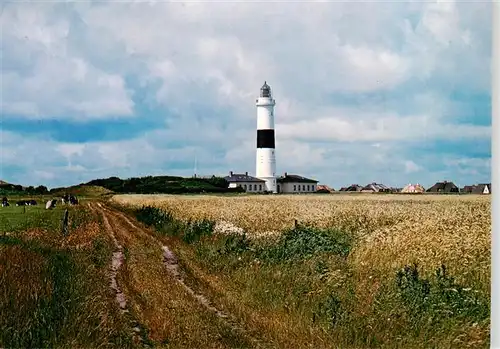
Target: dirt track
{"x":150,"y":289}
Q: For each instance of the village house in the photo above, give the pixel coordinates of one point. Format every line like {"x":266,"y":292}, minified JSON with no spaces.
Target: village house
{"x":322,"y":188}
{"x":443,"y":187}
{"x":248,"y":183}
{"x":467,"y":189}
{"x":483,"y":188}
{"x":352,"y":187}
{"x":289,"y":183}
{"x":375,"y":188}
{"x":413,"y":189}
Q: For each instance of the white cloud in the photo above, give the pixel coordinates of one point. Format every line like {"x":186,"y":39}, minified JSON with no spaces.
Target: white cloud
{"x":226,"y":50}
{"x":337,"y":164}
{"x":44,"y":175}
{"x":67,"y":88}
{"x":373,"y":69}
{"x":69,"y":149}
{"x":41,"y":78}
{"x":354,"y":124}
{"x":411,"y":166}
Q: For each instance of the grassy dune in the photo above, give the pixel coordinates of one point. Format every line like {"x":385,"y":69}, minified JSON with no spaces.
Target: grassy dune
{"x":359,"y":271}
{"x":54,"y":288}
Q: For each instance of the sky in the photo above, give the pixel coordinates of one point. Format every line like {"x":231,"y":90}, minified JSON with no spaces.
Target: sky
{"x":386,"y":92}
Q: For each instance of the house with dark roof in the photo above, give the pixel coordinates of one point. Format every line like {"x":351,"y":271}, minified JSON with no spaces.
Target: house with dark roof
{"x":352,"y":188}
{"x":443,"y":187}
{"x":249,"y":183}
{"x":322,"y":188}
{"x":482,"y":188}
{"x":290,"y":183}
{"x":375,"y":188}
{"x":467,"y":189}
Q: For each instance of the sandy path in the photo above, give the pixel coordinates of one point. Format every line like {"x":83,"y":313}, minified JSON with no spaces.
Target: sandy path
{"x":140,"y":274}
{"x":116,"y":262}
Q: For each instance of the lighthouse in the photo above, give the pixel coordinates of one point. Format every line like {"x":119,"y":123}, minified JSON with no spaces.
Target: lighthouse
{"x":265,"y":168}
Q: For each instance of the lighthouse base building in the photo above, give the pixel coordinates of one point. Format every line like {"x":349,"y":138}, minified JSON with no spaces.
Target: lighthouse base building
{"x":286,"y":184}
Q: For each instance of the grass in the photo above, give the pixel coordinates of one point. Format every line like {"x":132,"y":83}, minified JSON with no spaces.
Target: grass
{"x":82,"y":191}
{"x":357,"y":272}
{"x":54,"y":288}
{"x":22,"y":218}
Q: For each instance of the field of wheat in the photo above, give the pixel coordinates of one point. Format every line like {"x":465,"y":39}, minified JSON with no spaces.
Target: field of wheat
{"x":392,"y":230}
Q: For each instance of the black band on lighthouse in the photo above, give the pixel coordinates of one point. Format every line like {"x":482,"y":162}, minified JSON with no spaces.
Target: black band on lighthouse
{"x":265,"y":139}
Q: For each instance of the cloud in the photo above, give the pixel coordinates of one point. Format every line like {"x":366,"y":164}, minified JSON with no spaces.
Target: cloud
{"x":365,"y":91}
{"x":365,"y":126}
{"x":43,"y":79}
{"x":411,"y":166}
{"x":68,"y":149}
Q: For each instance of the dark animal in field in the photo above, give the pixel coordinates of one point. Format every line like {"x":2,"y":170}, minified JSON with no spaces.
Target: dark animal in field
{"x":65,"y":199}
{"x":50,"y":204}
{"x":5,"y":203}
{"x":21,"y":203}
{"x":73,"y":200}
{"x":32,"y":203}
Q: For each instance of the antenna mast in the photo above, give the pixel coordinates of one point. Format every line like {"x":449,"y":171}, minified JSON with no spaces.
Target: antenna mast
{"x":195,"y":164}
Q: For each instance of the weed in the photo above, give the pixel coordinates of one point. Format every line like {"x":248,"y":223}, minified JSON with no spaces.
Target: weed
{"x":303,"y":242}
{"x":194,"y":230}
{"x":439,"y":297}
{"x":100,"y":252}
{"x":165,"y":223}
{"x":330,"y":310}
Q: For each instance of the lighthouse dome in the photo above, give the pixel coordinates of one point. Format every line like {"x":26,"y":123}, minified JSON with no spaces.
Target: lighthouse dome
{"x":265,"y":90}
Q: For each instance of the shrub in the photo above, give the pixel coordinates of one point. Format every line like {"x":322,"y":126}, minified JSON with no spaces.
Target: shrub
{"x":196,"y":229}
{"x":234,"y":243}
{"x":165,"y":223}
{"x":439,"y":297}
{"x":303,"y":242}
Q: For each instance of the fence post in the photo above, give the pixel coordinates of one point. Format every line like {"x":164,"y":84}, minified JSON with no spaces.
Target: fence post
{"x":65,"y":222}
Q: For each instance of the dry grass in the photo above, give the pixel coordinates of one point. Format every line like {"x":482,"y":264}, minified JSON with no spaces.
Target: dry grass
{"x":393,"y":229}
{"x":54,"y":288}
{"x":390,"y":231}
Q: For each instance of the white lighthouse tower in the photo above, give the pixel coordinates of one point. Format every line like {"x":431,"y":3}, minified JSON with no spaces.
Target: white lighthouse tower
{"x":265,"y":168}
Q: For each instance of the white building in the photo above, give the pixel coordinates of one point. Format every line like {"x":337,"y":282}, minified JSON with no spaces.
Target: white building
{"x":290,"y":183}
{"x":265,"y":167}
{"x":249,"y":183}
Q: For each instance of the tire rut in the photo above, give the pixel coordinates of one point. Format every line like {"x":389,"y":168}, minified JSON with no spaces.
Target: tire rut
{"x":118,"y":259}
{"x":171,"y":263}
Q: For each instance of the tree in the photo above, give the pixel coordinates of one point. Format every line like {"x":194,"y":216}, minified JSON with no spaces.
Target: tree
{"x":41,"y":189}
